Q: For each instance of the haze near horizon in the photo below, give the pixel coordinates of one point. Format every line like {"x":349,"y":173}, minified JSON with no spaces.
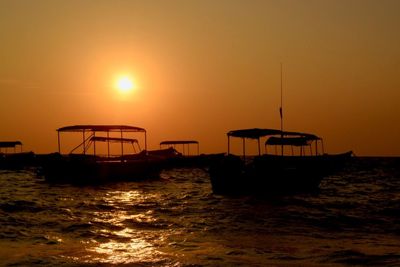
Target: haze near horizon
{"x":201,"y":68}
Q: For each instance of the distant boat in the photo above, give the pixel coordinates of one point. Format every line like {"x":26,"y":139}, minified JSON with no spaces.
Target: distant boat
{"x":13,"y":158}
{"x":187,"y":156}
{"x":274,"y":173}
{"x":185,"y":145}
{"x":93,"y":168}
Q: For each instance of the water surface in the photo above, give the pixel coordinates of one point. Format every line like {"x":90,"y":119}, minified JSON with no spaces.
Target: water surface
{"x":177,"y":221}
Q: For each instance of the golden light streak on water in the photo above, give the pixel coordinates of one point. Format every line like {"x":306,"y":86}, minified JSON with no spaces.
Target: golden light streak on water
{"x":126,"y":244}
{"x":134,"y":251}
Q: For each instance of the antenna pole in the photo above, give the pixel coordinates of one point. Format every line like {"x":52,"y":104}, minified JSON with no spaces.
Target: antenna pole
{"x":281,"y":112}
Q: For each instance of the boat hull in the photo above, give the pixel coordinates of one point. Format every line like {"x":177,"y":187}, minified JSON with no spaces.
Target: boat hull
{"x":61,"y":169}
{"x":269,"y":175}
{"x":199,"y":161}
{"x":17,"y":161}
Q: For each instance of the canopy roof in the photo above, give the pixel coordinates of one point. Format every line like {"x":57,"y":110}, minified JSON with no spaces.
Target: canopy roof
{"x":113,"y":139}
{"x":101,"y":128}
{"x":256,"y":133}
{"x":10,"y":143}
{"x":178,"y":142}
{"x":291,"y":141}
{"x":307,"y":136}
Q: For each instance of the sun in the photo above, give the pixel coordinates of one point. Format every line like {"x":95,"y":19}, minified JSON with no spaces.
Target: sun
{"x":124,"y":84}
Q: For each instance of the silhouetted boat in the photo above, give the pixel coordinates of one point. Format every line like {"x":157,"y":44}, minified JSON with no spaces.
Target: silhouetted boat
{"x":85,"y":168}
{"x":186,"y":144}
{"x":275,"y":173}
{"x":14,"y":159}
{"x":187,"y":157}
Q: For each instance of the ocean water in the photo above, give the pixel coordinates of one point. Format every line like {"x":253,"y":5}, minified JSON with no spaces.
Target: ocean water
{"x":177,"y":221}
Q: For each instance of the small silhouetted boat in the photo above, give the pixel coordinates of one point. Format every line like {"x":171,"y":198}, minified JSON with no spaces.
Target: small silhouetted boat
{"x":275,"y":173}
{"x":93,"y":168}
{"x":12,"y":156}
{"x":187,"y":156}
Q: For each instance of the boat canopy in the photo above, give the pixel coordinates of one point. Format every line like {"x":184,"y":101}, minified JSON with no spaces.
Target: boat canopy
{"x":308,"y":136}
{"x":93,"y":129}
{"x":294,"y":139}
{"x":101,"y":128}
{"x":257,"y":133}
{"x":254,"y":133}
{"x":6,"y":144}
{"x":179,"y":142}
{"x":113,"y":139}
{"x":291,"y":141}
{"x":277,"y":137}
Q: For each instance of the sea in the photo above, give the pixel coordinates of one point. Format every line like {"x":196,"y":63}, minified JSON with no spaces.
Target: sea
{"x":353,"y":220}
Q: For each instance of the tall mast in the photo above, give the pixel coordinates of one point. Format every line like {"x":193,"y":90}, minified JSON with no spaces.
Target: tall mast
{"x":281,"y":112}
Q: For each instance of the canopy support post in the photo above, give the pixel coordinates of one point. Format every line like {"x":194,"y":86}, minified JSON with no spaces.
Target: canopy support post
{"x":244,"y":148}
{"x":134,"y":149}
{"x":59,"y":146}
{"x":94,"y":144}
{"x":145,"y":140}
{"x":228,"y":145}
{"x":108,"y":144}
{"x":84,"y":142}
{"x":122,"y":147}
{"x":322,"y":143}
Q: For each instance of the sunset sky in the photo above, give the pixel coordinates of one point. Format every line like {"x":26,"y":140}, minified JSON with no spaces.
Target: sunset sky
{"x":202,"y":68}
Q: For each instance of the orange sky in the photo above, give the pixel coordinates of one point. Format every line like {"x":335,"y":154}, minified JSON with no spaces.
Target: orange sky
{"x":203,"y":68}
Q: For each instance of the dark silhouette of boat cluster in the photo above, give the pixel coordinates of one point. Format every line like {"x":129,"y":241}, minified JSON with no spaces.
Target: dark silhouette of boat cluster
{"x":230,"y":174}
{"x":275,"y":173}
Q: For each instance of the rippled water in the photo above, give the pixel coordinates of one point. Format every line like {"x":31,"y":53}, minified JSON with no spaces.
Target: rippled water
{"x":177,"y":221}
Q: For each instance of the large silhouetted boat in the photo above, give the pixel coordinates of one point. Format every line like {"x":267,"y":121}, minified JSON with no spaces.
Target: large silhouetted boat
{"x":95,"y":168}
{"x":12,"y":156}
{"x":293,"y":162}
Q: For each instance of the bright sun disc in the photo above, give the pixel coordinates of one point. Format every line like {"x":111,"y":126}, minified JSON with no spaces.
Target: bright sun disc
{"x":124,"y":84}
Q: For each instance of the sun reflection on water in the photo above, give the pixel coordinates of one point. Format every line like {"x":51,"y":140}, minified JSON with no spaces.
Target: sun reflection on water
{"x":125,"y":239}
{"x":120,"y":197}
{"x":136,"y":250}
